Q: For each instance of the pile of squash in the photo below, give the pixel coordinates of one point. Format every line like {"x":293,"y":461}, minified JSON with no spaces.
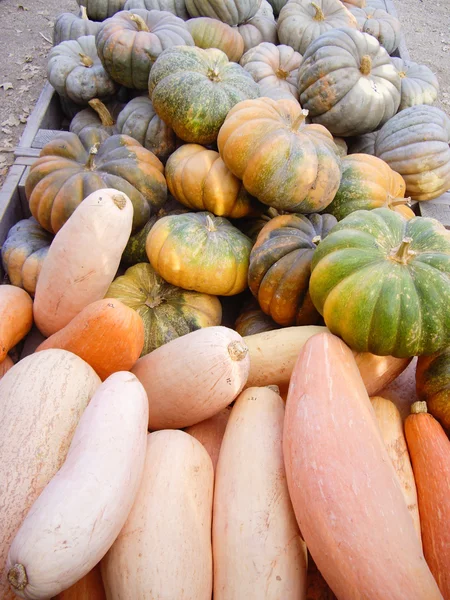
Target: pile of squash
{"x":207,"y":262}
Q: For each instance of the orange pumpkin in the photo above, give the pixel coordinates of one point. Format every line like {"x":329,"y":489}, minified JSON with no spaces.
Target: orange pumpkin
{"x":16,"y":317}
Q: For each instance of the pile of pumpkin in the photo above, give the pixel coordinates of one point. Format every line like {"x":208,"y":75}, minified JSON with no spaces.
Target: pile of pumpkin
{"x":201,"y":251}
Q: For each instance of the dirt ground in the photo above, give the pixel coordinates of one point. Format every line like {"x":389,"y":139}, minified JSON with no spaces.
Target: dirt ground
{"x":25,"y":39}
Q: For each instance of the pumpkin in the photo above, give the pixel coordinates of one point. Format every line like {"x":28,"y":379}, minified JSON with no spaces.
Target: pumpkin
{"x":68,"y":171}
{"x":108,"y":335}
{"x":357,"y":3}
{"x":193,"y":90}
{"x":5,"y":366}
{"x":419,"y":84}
{"x":231,"y":12}
{"x":253,"y":320}
{"x":382,"y":283}
{"x":282,"y":161}
{"x":364,"y":144}
{"x":341,"y":145}
{"x":99,"y":10}
{"x":348,"y":82}
{"x":433,"y":385}
{"x":71,"y":27}
{"x":251,"y":226}
{"x":415,"y":143}
{"x":201,"y":252}
{"x":382,"y":25}
{"x":368,"y":182}
{"x":176,"y":7}
{"x":129,"y":43}
{"x":168,"y":312}
{"x":273,"y":66}
{"x":277,"y":5}
{"x":23,"y":253}
{"x":211,"y":33}
{"x":302,"y":21}
{"x":260,"y":28}
{"x":16,"y":317}
{"x":75,"y":71}
{"x":139,"y":120}
{"x":98,"y":116}
{"x":280,"y":267}
{"x":198,"y":178}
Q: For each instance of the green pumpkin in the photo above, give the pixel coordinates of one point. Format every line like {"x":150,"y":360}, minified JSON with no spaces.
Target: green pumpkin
{"x":193,"y":90}
{"x":382,"y":283}
{"x":433,"y":385}
{"x":168,"y":312}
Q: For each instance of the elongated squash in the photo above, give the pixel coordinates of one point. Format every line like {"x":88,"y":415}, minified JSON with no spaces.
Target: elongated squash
{"x":429,"y":447}
{"x":16,"y":317}
{"x":83,"y":259}
{"x":5,"y":366}
{"x":391,"y":426}
{"x":402,"y":391}
{"x":193,"y":377}
{"x":343,"y":486}
{"x":273,"y":355}
{"x":258,"y":551}
{"x":89,"y":587}
{"x":42,"y":399}
{"x":210,"y":433}
{"x":164,"y":549}
{"x":81,"y":511}
{"x":108,"y":335}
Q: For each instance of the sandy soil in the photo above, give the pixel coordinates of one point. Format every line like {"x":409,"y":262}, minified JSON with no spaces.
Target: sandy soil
{"x":25,"y":39}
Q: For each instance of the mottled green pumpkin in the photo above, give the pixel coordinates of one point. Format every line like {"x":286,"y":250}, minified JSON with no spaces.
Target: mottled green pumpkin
{"x":382,"y":283}
{"x":251,"y":226}
{"x":71,"y":27}
{"x":201,"y":252}
{"x":176,"y":7}
{"x":168,"y":312}
{"x":99,"y":10}
{"x":280,"y":267}
{"x":231,"y":12}
{"x":433,"y":384}
{"x":194,"y":89}
{"x":253,"y":320}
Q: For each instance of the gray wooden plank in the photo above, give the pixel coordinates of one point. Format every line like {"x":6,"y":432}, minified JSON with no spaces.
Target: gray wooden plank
{"x":437,"y":209}
{"x":22,"y":196}
{"x":44,"y":136}
{"x":22,"y":154}
{"x":10,"y":206}
{"x":38,"y":116}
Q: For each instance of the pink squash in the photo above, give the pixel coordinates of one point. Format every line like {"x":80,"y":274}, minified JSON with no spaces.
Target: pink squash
{"x":210,"y":433}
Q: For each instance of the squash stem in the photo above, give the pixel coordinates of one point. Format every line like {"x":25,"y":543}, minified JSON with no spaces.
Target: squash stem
{"x":120,"y":201}
{"x":104,"y":114}
{"x":83,"y":13}
{"x":17,"y":577}
{"x":402,"y":254}
{"x":316,"y":239}
{"x":274,"y":388}
{"x":281,"y":73}
{"x":86,"y":60}
{"x":300,"y":119}
{"x":419,"y":407}
{"x":214,"y":75}
{"x":319,"y":16}
{"x":141,"y":24}
{"x":366,"y":65}
{"x":92,"y":153}
{"x":398,"y":201}
{"x":237,"y":350}
{"x":402,"y":74}
{"x":210,"y":224}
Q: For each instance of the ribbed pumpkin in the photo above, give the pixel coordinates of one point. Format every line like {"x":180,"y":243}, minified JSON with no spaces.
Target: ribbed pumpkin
{"x":364,"y":144}
{"x":23,"y":253}
{"x":382,"y":25}
{"x":68,"y":171}
{"x":99,"y":10}
{"x":193,"y":90}
{"x":302,"y":21}
{"x":348,"y":82}
{"x":176,"y":7}
{"x":433,"y":385}
{"x":382,"y":283}
{"x":415,"y":143}
{"x":70,"y":27}
{"x":273,"y":67}
{"x":76,"y":72}
{"x":211,"y":33}
{"x":231,"y":12}
{"x":282,"y":161}
{"x":168,"y":312}
{"x":98,"y":115}
{"x":251,"y":226}
{"x":198,"y":178}
{"x":280,"y":267}
{"x":277,"y":5}
{"x":419,"y":84}
{"x":262,"y":27}
{"x":253,"y":320}
{"x":368,"y":182}
{"x":341,"y":145}
{"x":129,"y":43}
{"x":139,"y":120}
{"x":201,"y":252}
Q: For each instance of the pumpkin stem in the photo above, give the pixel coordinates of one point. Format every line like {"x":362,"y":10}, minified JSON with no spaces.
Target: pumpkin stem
{"x":83,"y":13}
{"x":86,"y":60}
{"x":237,"y":350}
{"x":141,"y":24}
{"x":316,"y":239}
{"x":213,"y":75}
{"x":300,"y":119}
{"x":92,"y":152}
{"x":366,"y":65}
{"x":319,"y":16}
{"x":281,"y":73}
{"x":102,"y":111}
{"x":418,"y":407}
{"x":17,"y":577}
{"x":274,"y":388}
{"x":391,"y":201}
{"x":402,"y":254}
{"x":120,"y":201}
{"x":402,"y":74}
{"x":210,"y":224}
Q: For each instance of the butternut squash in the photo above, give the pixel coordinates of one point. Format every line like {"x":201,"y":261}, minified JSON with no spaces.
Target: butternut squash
{"x":210,"y":433}
{"x":42,"y":399}
{"x":343,"y":486}
{"x":81,"y":511}
{"x":5,"y":366}
{"x":16,"y":317}
{"x":429,"y":447}
{"x":83,"y":259}
{"x":108,"y":335}
{"x":193,"y":377}
{"x":89,"y":587}
{"x":164,"y":549}
{"x":258,"y":551}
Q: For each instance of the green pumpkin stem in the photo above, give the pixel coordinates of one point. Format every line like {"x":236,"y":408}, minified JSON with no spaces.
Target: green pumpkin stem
{"x":141,"y":24}
{"x":319,"y":16}
{"x":210,"y":224}
{"x":300,"y":119}
{"x":92,"y":153}
{"x":418,"y":407}
{"x":83,"y":13}
{"x":86,"y":60}
{"x":398,"y":201}
{"x":316,"y":239}
{"x":102,"y":111}
{"x":237,"y":350}
{"x":213,"y":75}
{"x":402,"y":254}
{"x":366,"y":65}
{"x":17,"y":577}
